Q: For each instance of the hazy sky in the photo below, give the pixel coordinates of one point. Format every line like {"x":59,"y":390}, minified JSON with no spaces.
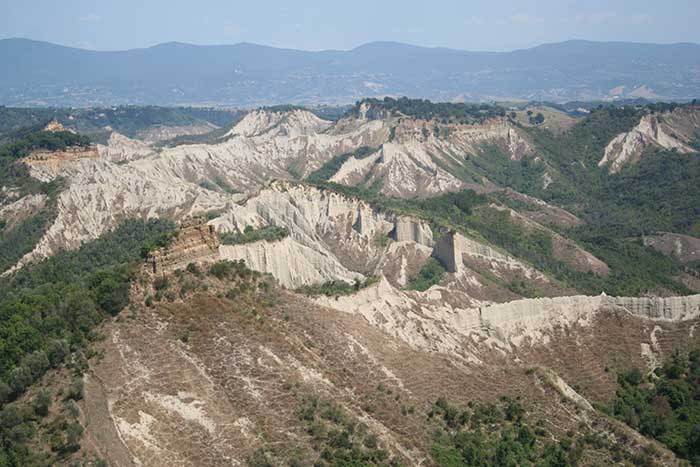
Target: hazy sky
{"x":331,"y":24}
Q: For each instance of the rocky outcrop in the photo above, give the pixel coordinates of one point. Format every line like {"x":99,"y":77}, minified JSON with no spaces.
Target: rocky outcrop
{"x":421,"y":157}
{"x":451,"y":247}
{"x":14,"y":213}
{"x":407,"y":229}
{"x":157,"y":133}
{"x":279,"y":123}
{"x":291,"y":263}
{"x":51,"y":163}
{"x":54,"y":125}
{"x":683,"y":247}
{"x":100,"y":194}
{"x":533,"y":319}
{"x":121,"y":149}
{"x":427,"y":321}
{"x":652,"y":130}
{"x":194,"y":242}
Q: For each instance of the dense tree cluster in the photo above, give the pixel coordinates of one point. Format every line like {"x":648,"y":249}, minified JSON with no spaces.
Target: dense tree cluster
{"x":128,"y":120}
{"x":665,"y":407}
{"x":46,"y":140}
{"x":430,"y":274}
{"x":338,"y":440}
{"x":336,"y":288}
{"x":19,"y":239}
{"x":269,"y":233}
{"x":50,"y":308}
{"x":491,"y":435}
{"x":445,"y":112}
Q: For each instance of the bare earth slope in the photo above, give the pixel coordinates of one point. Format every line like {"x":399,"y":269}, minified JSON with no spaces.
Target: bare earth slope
{"x":208,"y":381}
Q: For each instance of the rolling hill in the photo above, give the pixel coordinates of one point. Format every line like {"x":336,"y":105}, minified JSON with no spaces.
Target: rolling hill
{"x":244,"y":74}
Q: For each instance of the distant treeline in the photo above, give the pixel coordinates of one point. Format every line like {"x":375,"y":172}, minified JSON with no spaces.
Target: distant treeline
{"x":446,"y":112}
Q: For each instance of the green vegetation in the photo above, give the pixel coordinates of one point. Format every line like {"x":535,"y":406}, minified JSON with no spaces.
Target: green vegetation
{"x":19,"y":240}
{"x":488,"y":435}
{"x":338,"y":439}
{"x":426,"y":110}
{"x":49,"y":312}
{"x":269,"y":233}
{"x":573,"y":157}
{"x":51,"y":307}
{"x":337,"y":288}
{"x":47,"y":140}
{"x":635,"y":268}
{"x":128,"y":120}
{"x":331,"y":167}
{"x":660,"y":193}
{"x":332,"y":113}
{"x":226,"y":269}
{"x":429,"y":275}
{"x":493,"y":163}
{"x":537,"y":119}
{"x":666,"y":407}
{"x":503,"y":435}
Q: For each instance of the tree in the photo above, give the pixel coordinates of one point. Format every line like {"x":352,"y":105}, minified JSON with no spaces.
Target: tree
{"x":37,"y":362}
{"x":57,"y":351}
{"x":20,"y":378}
{"x":42,"y":402}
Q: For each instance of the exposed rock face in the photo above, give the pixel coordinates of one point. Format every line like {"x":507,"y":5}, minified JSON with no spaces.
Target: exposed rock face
{"x":158,"y":133}
{"x":52,"y":162}
{"x":54,"y":125}
{"x":532,"y":318}
{"x":126,"y":178}
{"x":329,"y":232}
{"x":290,"y":262}
{"x":416,"y":161}
{"x":407,"y":229}
{"x":100,"y":194}
{"x":16,"y":212}
{"x":671,"y":130}
{"x":268,"y":145}
{"x":684,"y":247}
{"x":195,"y":242}
{"x":452,"y":246}
{"x":274,"y":123}
{"x":121,"y":149}
{"x":427,"y":320}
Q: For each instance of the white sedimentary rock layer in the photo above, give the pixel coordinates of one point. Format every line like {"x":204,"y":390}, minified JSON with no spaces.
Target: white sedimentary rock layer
{"x":627,"y":147}
{"x":291,"y":263}
{"x":414,"y":163}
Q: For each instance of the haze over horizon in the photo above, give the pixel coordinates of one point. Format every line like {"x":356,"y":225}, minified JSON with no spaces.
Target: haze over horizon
{"x":349,"y":49}
{"x":314,"y":25}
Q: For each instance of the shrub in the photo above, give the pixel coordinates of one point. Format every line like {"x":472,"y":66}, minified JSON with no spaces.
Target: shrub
{"x":161,"y":283}
{"x":37,"y":362}
{"x":5,"y":392}
{"x":20,"y":379}
{"x":430,"y":274}
{"x":42,"y":402}
{"x":57,"y":351}
{"x":269,"y":233}
{"x":76,"y":389}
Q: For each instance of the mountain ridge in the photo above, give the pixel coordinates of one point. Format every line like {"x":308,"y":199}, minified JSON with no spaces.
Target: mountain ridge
{"x":246,"y":74}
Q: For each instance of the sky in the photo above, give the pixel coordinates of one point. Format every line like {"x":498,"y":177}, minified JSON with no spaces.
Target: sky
{"x":330,"y":24}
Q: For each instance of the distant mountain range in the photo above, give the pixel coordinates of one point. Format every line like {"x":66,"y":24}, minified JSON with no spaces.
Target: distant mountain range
{"x":41,"y":73}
